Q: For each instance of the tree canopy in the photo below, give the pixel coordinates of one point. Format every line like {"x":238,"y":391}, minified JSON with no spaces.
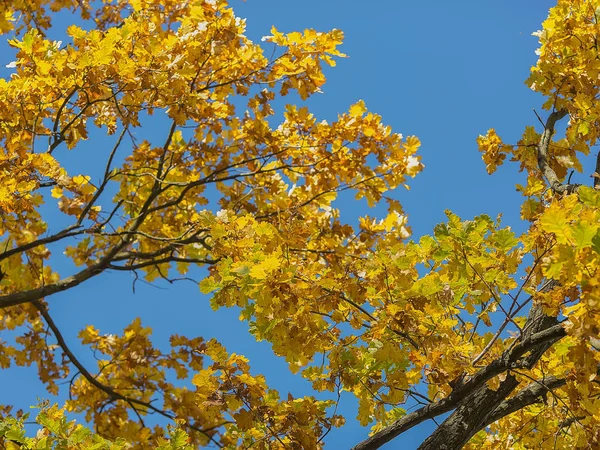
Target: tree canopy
{"x":496,"y":331}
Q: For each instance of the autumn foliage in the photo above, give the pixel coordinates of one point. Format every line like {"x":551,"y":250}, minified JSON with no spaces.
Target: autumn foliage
{"x":242,"y":191}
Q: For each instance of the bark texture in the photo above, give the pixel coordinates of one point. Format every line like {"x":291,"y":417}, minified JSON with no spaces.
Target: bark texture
{"x":475,"y":410}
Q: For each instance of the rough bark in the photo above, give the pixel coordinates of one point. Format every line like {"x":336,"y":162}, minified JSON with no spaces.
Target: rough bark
{"x":535,"y":392}
{"x":475,"y":410}
{"x":541,"y":333}
{"x":470,"y":417}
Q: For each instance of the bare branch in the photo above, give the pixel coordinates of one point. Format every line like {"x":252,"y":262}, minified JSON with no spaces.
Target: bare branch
{"x":105,"y":180}
{"x":596,"y":174}
{"x":70,"y":231}
{"x":154,"y":262}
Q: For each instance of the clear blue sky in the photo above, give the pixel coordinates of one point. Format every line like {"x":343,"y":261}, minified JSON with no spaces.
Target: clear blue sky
{"x":444,"y":71}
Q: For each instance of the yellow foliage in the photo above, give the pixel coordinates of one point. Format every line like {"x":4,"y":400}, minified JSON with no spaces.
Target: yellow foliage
{"x":250,"y":202}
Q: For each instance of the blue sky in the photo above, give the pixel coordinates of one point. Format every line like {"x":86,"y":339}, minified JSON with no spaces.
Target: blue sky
{"x":444,"y":71}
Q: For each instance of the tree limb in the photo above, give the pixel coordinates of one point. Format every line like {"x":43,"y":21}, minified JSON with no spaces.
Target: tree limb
{"x":542,"y":155}
{"x":532,"y":393}
{"x":472,"y":413}
{"x":112,"y":394}
{"x":509,"y":359}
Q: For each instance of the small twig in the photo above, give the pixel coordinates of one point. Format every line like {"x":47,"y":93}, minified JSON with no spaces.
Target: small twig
{"x":370,"y":316}
{"x":539,"y":118}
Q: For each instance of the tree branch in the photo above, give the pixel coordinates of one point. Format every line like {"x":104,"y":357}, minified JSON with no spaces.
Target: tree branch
{"x":70,"y":231}
{"x":539,"y":334}
{"x":532,"y":393}
{"x":509,"y":359}
{"x":112,"y":394}
{"x":19,"y":298}
{"x":596,"y":174}
{"x":542,"y":155}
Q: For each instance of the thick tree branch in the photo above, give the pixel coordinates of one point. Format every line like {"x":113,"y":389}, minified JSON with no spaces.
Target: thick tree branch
{"x":474,"y":404}
{"x":542,"y":155}
{"x":472,"y":413}
{"x":469,"y":417}
{"x":19,"y":298}
{"x":482,"y":404}
{"x":532,"y":393}
{"x":511,"y":358}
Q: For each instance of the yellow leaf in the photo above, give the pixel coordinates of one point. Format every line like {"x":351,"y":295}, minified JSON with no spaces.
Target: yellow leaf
{"x":265,"y":268}
{"x":358,"y":109}
{"x":57,"y":192}
{"x":555,"y":220}
{"x":81,"y":179}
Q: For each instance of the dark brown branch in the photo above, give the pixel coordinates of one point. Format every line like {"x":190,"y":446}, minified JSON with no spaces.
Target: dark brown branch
{"x":473,"y":411}
{"x":159,"y":171}
{"x":19,"y":298}
{"x":55,"y":132}
{"x":532,"y":393}
{"x":73,"y":230}
{"x":105,"y":179}
{"x":60,"y":136}
{"x":596,"y":174}
{"x":67,"y":232}
{"x":469,"y":417}
{"x":507,"y":320}
{"x":76,"y":229}
{"x":540,"y":332}
{"x":474,"y":404}
{"x":509,"y":359}
{"x":154,"y":262}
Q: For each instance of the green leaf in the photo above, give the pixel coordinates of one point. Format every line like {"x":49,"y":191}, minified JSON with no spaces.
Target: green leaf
{"x":15,"y":434}
{"x":397,"y":413}
{"x":589,"y":196}
{"x":583,"y":234}
{"x":504,"y":240}
{"x":208,"y":285}
{"x":79,"y":435}
{"x":427,"y":285}
{"x":596,"y":242}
